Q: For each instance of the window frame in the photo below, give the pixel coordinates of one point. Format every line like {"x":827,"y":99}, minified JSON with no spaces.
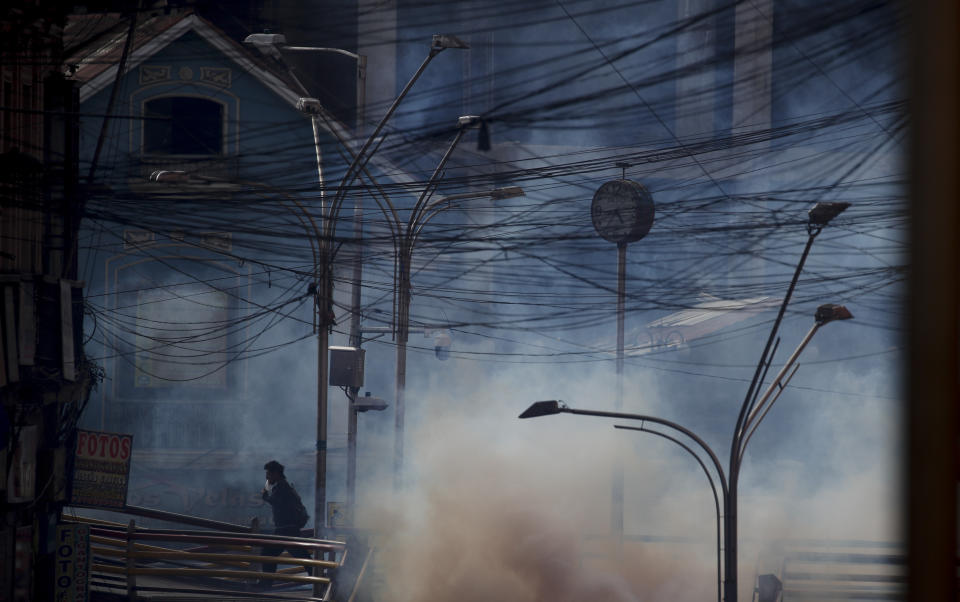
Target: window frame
{"x":224,"y":125}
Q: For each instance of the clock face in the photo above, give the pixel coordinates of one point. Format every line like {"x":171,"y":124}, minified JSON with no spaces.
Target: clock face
{"x":622,"y":211}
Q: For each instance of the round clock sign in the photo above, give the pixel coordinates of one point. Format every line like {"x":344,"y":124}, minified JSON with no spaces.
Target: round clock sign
{"x":622,"y":211}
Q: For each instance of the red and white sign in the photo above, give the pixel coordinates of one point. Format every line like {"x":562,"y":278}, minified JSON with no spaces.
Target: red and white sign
{"x":101,"y":469}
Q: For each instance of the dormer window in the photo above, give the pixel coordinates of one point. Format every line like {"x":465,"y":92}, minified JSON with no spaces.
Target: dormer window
{"x":183,"y":125}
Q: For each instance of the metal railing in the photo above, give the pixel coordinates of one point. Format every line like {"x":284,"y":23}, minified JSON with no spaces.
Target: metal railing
{"x":838,"y":570}
{"x":137,"y":562}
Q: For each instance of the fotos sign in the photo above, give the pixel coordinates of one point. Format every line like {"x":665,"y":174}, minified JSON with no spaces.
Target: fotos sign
{"x":101,"y":469}
{"x":72,"y":563}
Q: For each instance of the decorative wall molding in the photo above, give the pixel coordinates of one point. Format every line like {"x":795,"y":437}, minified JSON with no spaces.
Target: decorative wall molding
{"x":150,"y":74}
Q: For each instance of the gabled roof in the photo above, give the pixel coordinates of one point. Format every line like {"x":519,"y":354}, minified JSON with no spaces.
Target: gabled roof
{"x":94,"y":44}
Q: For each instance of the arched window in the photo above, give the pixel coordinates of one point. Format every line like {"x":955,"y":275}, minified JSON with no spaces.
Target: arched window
{"x":183,"y":125}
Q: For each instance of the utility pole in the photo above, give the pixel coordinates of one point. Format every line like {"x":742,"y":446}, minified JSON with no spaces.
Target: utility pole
{"x":356,"y":340}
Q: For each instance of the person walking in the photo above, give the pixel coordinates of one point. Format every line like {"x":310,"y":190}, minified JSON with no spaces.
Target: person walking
{"x":289,"y":515}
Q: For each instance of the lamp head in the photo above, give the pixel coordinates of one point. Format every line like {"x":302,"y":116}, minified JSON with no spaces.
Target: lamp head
{"x":166,"y":175}
{"x":507,"y":192}
{"x":442,"y":41}
{"x":468,"y":121}
{"x":545,"y":408}
{"x":823,"y":212}
{"x":830,"y":312}
{"x":266,"y":39}
{"x":368,"y":402}
{"x":310,"y":106}
{"x":268,"y":44}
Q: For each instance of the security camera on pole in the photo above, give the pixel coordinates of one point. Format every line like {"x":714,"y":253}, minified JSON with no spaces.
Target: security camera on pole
{"x":622,"y":212}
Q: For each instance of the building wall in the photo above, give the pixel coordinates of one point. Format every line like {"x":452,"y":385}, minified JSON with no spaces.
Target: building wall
{"x":44,"y":376}
{"x":175,"y":274}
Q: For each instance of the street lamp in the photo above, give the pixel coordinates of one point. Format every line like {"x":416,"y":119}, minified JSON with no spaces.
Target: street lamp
{"x":405,"y":236}
{"x":556,"y":406}
{"x":422,"y":213}
{"x":439,"y":43}
{"x":817,"y":218}
{"x":754,"y":408}
{"x":324,"y":287}
{"x":713,"y":488}
{"x":271,"y":44}
{"x":329,"y":214}
{"x":824,"y":315}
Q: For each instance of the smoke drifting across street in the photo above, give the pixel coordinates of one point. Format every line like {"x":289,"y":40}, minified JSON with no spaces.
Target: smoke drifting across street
{"x":499,"y":508}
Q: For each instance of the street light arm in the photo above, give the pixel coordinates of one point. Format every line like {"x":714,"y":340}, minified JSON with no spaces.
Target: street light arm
{"x":554,"y":406}
{"x":713,"y":486}
{"x":661,"y":421}
{"x":766,"y":368}
{"x":352,"y":55}
{"x":422,"y":204}
{"x":437,"y":207}
{"x":754,"y":383}
{"x":319,"y":155}
{"x":362,"y":158}
{"x":818,"y":217}
{"x":752,"y":429}
{"x":442,"y":204}
{"x":825,"y":313}
{"x":758,"y":407}
{"x":345,"y":148}
{"x":383,"y":203}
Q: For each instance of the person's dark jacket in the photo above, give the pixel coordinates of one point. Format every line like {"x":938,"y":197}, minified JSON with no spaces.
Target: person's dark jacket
{"x":285,"y":503}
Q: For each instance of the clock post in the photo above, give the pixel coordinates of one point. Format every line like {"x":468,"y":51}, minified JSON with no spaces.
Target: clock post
{"x":622,"y":212}
{"x":616,"y":504}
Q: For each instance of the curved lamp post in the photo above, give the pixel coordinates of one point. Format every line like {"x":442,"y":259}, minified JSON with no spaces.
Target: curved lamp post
{"x":329,"y":213}
{"x":825,"y":314}
{"x":422,"y":213}
{"x":753,"y":410}
{"x":324,"y":289}
{"x":404,"y":236}
{"x":713,"y":488}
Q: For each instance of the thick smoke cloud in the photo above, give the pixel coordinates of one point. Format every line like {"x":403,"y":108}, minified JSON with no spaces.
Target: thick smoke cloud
{"x":498,"y":507}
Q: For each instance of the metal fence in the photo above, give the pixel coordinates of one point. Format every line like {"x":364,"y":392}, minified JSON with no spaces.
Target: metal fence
{"x":141,"y":563}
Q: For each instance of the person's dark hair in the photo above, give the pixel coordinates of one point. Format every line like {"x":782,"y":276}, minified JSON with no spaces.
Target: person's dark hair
{"x":274,"y":466}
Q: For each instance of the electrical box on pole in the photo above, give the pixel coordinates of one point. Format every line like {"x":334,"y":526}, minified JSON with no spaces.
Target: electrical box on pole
{"x":346,"y":367}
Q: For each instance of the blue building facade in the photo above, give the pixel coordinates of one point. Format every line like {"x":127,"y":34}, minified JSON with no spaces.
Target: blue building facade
{"x":198,"y":284}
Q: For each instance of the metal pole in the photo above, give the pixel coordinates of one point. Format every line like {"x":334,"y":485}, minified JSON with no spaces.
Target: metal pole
{"x":616,"y":498}
{"x":713,"y":488}
{"x":725,"y":490}
{"x":355,"y":342}
{"x":664,"y":422}
{"x":361,"y":93}
{"x":323,"y":345}
{"x":361,"y":159}
{"x":324,"y":293}
{"x":403,"y":322}
{"x":405,"y":256}
{"x":730,"y":497}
